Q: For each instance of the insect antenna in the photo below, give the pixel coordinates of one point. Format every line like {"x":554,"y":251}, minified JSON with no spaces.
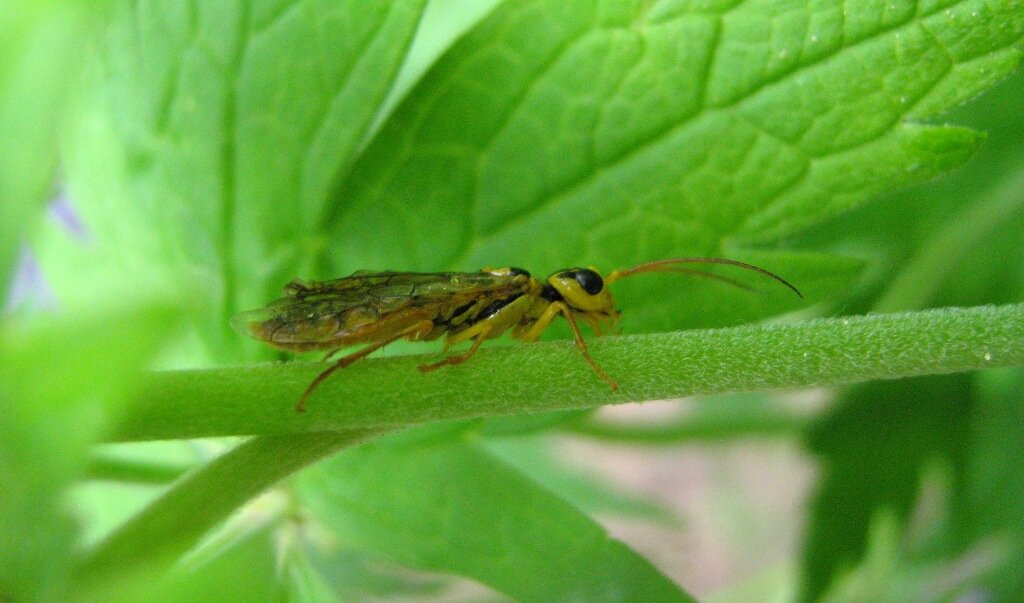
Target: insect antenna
{"x":671,"y":265}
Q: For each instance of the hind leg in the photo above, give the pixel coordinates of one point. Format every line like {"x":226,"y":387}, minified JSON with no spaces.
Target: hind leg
{"x":415,"y":331}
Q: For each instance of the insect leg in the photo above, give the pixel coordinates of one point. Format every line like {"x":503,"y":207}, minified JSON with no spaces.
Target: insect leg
{"x":505,"y":318}
{"x":582,"y":345}
{"x":424,"y":326}
{"x":593,"y":323}
{"x":458,"y":358}
{"x":541,"y":324}
{"x":545,"y":319}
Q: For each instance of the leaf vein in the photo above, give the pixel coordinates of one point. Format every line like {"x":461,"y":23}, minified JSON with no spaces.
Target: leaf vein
{"x":280,"y":14}
{"x":316,"y":129}
{"x":658,"y":137}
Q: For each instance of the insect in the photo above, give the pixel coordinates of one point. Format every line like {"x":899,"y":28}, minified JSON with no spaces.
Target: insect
{"x":378,"y":308}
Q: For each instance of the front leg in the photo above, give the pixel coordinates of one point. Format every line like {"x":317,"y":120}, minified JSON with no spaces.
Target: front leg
{"x":416,"y":330}
{"x":553,"y":310}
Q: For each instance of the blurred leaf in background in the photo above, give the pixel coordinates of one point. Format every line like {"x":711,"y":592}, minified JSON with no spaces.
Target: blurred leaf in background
{"x":62,"y":378}
{"x":945,"y":243}
{"x":245,"y":570}
{"x":491,"y":523}
{"x":986,"y":505}
{"x":875,"y":448}
{"x":211,"y":132}
{"x":41,"y":43}
{"x":52,"y":408}
{"x":221,"y":149}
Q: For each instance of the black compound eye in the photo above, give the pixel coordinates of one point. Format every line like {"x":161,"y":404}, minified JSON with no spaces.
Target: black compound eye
{"x":591,"y":281}
{"x":518,"y":272}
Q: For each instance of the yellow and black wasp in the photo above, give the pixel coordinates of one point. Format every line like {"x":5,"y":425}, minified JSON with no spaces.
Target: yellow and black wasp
{"x":378,"y":308}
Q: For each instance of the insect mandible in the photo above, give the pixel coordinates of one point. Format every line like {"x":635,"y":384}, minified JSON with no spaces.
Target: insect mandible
{"x":378,"y":308}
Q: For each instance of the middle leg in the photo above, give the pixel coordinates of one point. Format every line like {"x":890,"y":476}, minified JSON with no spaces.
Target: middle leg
{"x":458,"y":358}
{"x":486,"y":327}
{"x":418,"y":329}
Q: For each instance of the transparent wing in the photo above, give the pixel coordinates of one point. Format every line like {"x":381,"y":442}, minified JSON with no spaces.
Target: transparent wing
{"x":319,"y":314}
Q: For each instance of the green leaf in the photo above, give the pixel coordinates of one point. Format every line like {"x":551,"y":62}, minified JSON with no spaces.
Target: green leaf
{"x":990,"y":506}
{"x":973,"y":223}
{"x":710,"y":418}
{"x":491,"y":524}
{"x":772,"y":586}
{"x":965,"y":260}
{"x":888,"y":574}
{"x":103,"y":467}
{"x":245,"y":571}
{"x":684,"y":128}
{"x":61,"y":383}
{"x":874,"y":448}
{"x":442,"y":23}
{"x":39,"y":50}
{"x":309,"y":586}
{"x":342,"y":573}
{"x":199,"y":501}
{"x":952,"y":241}
{"x":616,"y":132}
{"x":551,"y":376}
{"x":209,"y":140}
{"x":538,"y":458}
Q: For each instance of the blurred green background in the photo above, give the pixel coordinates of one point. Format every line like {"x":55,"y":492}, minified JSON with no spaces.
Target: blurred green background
{"x":164,"y":166}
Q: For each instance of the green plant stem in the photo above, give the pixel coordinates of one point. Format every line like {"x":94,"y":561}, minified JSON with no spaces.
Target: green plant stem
{"x":176,"y":521}
{"x":391,"y":393}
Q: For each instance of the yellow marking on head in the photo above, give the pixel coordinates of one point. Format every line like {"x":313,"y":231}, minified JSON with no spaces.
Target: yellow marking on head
{"x":583,"y":289}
